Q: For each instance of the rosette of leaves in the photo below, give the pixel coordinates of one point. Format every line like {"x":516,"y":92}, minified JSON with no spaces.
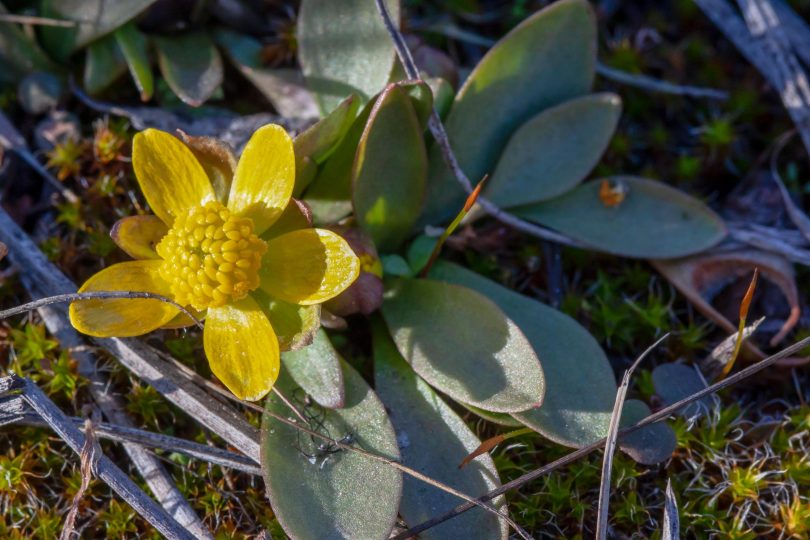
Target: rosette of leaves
{"x":107,"y":37}
{"x":526,"y":115}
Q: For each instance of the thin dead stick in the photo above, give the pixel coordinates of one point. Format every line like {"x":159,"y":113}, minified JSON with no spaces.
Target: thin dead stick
{"x":796,"y":214}
{"x":759,"y":38}
{"x":35,"y":21}
{"x":87,"y":457}
{"x":671,"y":526}
{"x":652,"y":84}
{"x":376,"y":457}
{"x":104,"y":468}
{"x":95,"y":295}
{"x":14,"y":410}
{"x":796,"y":28}
{"x":612,"y":441}
{"x":644,"y":82}
{"x":41,"y":278}
{"x":340,"y":444}
{"x":794,"y":89}
{"x":177,"y":386}
{"x":440,"y":135}
{"x":585,"y":450}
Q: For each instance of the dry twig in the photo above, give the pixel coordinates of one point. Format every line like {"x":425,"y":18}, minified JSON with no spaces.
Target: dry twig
{"x":104,"y":468}
{"x":95,"y":295}
{"x":585,"y":450}
{"x":440,"y":135}
{"x":612,"y":441}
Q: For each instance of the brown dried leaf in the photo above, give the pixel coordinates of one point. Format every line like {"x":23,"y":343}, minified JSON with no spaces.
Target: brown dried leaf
{"x":699,"y":276}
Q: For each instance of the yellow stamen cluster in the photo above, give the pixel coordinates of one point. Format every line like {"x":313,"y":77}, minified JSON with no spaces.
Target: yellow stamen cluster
{"x":211,"y":257}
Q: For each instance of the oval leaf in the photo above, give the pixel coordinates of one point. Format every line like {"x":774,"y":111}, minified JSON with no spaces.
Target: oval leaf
{"x":502,"y":419}
{"x":547,"y":59}
{"x":580,"y":385}
{"x":652,"y":221}
{"x":316,"y":144}
{"x":104,"y":64}
{"x":463,"y":345}
{"x":389,"y":171}
{"x":284,"y":88}
{"x":295,"y":325}
{"x":554,"y":151}
{"x":673,"y":382}
{"x":433,"y":440}
{"x":344,"y":48}
{"x":191,"y":66}
{"x":327,"y":494}
{"x":329,"y":193}
{"x":133,"y":44}
{"x":93,"y":20}
{"x":651,"y":444}
{"x":316,"y":368}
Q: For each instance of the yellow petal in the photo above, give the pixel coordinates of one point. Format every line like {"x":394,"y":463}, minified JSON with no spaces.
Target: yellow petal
{"x":171,"y":178}
{"x":123,"y":317}
{"x":242,"y":348}
{"x":138,"y":235}
{"x":308,"y":266}
{"x":265,"y":176}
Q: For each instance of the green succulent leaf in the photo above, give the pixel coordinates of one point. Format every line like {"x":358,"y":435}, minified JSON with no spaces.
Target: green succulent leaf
{"x":653,"y":220}
{"x":389,"y":170}
{"x":554,"y":151}
{"x":443,"y":95}
{"x":673,"y":382}
{"x":316,"y":368}
{"x":295,"y":325}
{"x":104,"y":64}
{"x":284,"y":88}
{"x":502,"y":419}
{"x":316,"y":144}
{"x":317,"y":492}
{"x":191,"y":65}
{"x":463,"y":345}
{"x":649,"y":445}
{"x":580,"y":385}
{"x":329,"y":195}
{"x":133,"y":44}
{"x":93,"y":20}
{"x":421,"y":97}
{"x":344,"y":48}
{"x":433,"y":440}
{"x":548,"y":59}
{"x":330,"y":192}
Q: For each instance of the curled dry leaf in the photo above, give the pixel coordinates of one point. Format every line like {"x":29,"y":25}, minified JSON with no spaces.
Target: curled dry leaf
{"x":3,"y":251}
{"x":723,"y":354}
{"x":700,"y":277}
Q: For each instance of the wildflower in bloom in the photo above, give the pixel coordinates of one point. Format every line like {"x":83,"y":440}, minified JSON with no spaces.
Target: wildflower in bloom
{"x":228,"y":247}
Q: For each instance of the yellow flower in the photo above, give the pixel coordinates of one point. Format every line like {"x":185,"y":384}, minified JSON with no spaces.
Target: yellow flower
{"x":214,"y":251}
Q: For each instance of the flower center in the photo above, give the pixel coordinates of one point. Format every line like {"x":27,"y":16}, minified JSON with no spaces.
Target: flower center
{"x":211,"y":257}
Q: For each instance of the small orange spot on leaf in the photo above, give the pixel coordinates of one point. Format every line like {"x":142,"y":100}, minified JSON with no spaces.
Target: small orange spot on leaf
{"x":612,"y":194}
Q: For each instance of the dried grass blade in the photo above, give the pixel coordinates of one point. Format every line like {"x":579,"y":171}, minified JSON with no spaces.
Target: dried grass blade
{"x":612,"y":441}
{"x":671,"y":529}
